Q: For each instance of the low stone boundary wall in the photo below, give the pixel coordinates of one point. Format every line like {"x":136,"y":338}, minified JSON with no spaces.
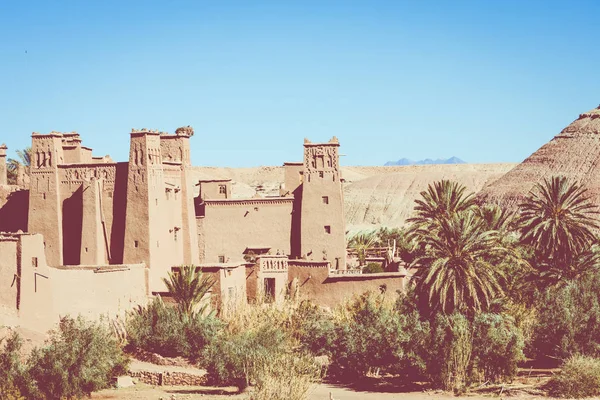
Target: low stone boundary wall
{"x":169,"y":378}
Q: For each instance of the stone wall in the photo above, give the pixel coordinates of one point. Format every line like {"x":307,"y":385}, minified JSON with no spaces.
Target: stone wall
{"x":169,"y":378}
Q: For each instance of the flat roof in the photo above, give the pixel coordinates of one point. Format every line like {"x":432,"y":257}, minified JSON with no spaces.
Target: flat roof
{"x":212,"y":180}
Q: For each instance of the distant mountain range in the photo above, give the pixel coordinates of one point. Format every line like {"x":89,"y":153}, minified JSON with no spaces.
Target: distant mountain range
{"x":406,"y":161}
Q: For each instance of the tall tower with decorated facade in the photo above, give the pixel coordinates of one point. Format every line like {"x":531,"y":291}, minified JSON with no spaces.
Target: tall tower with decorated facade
{"x":322,"y":224}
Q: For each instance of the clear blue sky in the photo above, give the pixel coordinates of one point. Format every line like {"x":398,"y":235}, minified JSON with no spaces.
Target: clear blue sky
{"x":487,"y":81}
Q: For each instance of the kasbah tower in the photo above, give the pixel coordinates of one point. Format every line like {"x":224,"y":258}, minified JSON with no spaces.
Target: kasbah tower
{"x":93,"y":211}
{"x":322,"y":233}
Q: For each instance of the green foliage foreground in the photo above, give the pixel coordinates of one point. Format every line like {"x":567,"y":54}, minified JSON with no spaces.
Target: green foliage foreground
{"x":80,"y":357}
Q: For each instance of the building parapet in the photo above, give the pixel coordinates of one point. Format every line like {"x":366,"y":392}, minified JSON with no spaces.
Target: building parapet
{"x":249,"y":202}
{"x":100,"y":268}
{"x":365,"y":277}
{"x":309,"y":264}
{"x":272,"y":263}
{"x":344,"y":272}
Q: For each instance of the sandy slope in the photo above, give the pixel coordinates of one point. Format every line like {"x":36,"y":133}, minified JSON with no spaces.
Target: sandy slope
{"x":385,"y":196}
{"x":374,"y":196}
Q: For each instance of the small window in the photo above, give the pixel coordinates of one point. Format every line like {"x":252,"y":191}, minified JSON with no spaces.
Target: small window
{"x":231,"y":292}
{"x":325,"y":199}
{"x":136,"y":244}
{"x":320,"y":174}
{"x":175,"y":234}
{"x":222,"y":189}
{"x":327,"y":229}
{"x":110,"y":195}
{"x":156,"y":200}
{"x":221,"y":259}
{"x":255,"y":208}
{"x":44,"y":196}
{"x":86,"y":249}
{"x":34,"y":262}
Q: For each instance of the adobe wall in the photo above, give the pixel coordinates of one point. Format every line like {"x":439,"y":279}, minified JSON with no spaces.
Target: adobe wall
{"x":229,"y":289}
{"x":36,"y":311}
{"x":294,"y":173}
{"x":218,"y":189}
{"x":88,"y":213}
{"x":14,"y":208}
{"x":315,"y":283}
{"x":95,"y":291}
{"x":270,"y":267}
{"x":230,"y":226}
{"x":8,"y":284}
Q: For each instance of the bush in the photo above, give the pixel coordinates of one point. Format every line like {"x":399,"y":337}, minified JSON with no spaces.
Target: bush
{"x":579,"y":377}
{"x":236,"y":358}
{"x":286,"y":376}
{"x":313,"y":328}
{"x":166,"y":330}
{"x":79,"y":358}
{"x":11,"y":369}
{"x":450,"y":355}
{"x":497,"y":347}
{"x":372,"y":268}
{"x":569,"y":320}
{"x":371,"y":335}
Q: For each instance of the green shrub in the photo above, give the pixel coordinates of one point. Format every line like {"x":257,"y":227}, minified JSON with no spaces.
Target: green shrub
{"x":497,"y":347}
{"x":286,"y":376}
{"x":372,"y":335}
{"x":11,"y":369}
{"x":79,"y":358}
{"x":568,"y":320}
{"x":313,"y":327}
{"x":578,"y":378}
{"x":236,"y":358}
{"x":166,"y":330}
{"x":372,"y":268}
{"x":450,"y":354}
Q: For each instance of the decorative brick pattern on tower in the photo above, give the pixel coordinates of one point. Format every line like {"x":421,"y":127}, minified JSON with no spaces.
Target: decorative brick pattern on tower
{"x":3,"y":170}
{"x":322,"y":224}
{"x":45,"y":208}
{"x":145,"y":193}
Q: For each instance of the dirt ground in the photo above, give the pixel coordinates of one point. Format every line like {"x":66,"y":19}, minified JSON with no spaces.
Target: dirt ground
{"x":319,"y":392}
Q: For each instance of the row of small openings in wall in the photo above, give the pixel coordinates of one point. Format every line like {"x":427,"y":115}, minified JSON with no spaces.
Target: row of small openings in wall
{"x":322,"y":175}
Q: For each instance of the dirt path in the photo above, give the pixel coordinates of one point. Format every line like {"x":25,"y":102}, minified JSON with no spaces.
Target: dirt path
{"x":319,"y":392}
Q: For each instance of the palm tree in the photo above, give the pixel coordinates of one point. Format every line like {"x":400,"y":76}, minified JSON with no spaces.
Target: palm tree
{"x":455,"y":273}
{"x":558,"y":221}
{"x":440,"y":201}
{"x":13,"y":165}
{"x":188,"y":287}
{"x":361,"y":243}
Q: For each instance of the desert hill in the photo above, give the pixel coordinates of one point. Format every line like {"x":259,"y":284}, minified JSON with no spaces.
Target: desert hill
{"x":374,"y":196}
{"x":574,"y":153}
{"x":427,"y":161}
